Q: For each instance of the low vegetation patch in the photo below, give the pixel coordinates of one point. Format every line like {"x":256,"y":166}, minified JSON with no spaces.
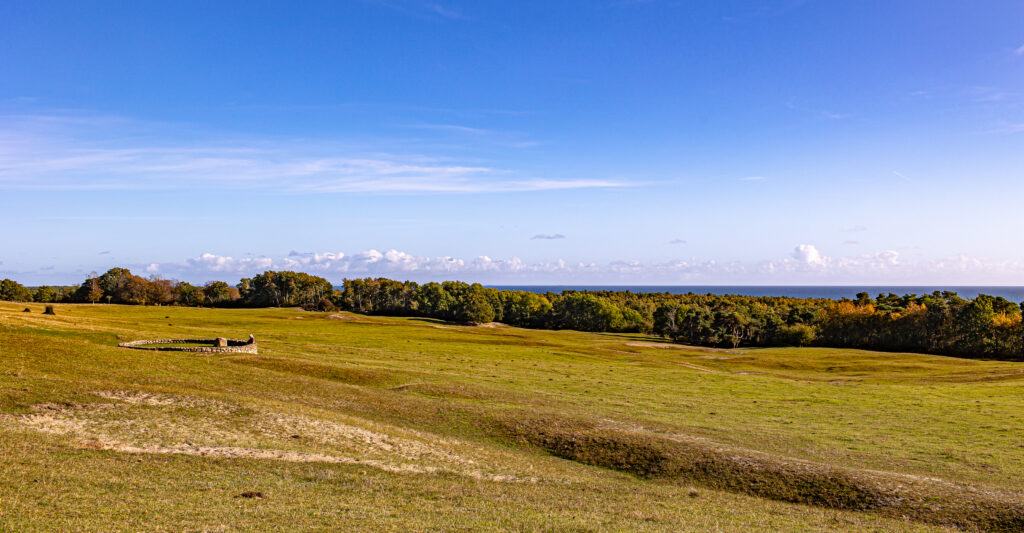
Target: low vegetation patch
{"x":345,"y":374}
{"x":452,"y":390}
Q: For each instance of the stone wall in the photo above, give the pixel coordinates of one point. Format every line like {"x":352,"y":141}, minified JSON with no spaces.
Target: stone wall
{"x":233,"y":345}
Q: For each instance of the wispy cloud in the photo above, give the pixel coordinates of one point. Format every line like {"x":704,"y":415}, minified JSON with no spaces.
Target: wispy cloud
{"x":794,"y":104}
{"x":18,"y":100}
{"x":676,"y":241}
{"x":543,"y":237}
{"x":105,"y":252}
{"x":753,"y":178}
{"x":449,"y":127}
{"x":418,"y":8}
{"x":621,"y":3}
{"x":78,"y":153}
{"x":443,"y":11}
{"x":1019,"y":51}
{"x":836,"y":116}
{"x":106,"y":218}
{"x":900,"y":175}
{"x":857,"y":228}
{"x":1006,"y":128}
{"x":851,"y":242}
{"x":984,"y":94}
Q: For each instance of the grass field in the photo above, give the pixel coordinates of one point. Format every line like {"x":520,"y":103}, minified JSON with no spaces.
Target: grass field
{"x":346,"y":422}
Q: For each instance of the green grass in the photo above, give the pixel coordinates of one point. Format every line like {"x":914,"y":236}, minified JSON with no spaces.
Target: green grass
{"x":410,"y":424}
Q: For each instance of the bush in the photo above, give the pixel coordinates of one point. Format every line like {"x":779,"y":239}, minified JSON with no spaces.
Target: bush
{"x":323,"y":304}
{"x":796,"y":335}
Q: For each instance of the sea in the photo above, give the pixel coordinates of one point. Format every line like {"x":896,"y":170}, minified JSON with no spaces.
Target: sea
{"x":835,"y":292}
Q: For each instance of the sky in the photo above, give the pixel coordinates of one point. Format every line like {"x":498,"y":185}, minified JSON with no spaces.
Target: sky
{"x":526,"y":142}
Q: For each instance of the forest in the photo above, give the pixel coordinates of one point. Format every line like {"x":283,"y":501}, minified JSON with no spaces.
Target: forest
{"x":938,"y":323}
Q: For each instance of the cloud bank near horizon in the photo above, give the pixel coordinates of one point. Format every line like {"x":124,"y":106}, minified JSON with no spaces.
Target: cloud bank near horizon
{"x":805,"y":265}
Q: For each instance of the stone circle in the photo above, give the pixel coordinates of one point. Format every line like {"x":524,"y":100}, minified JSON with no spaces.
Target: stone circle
{"x":216,"y":345}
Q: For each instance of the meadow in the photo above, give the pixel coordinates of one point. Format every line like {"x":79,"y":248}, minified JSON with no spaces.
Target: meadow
{"x":353,"y":422}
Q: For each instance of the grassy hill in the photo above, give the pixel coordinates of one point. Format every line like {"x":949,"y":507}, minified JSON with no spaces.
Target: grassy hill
{"x":368,"y":423}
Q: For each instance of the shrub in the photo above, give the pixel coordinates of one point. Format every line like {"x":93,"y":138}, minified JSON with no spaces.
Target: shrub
{"x":323,"y":304}
{"x":796,"y":335}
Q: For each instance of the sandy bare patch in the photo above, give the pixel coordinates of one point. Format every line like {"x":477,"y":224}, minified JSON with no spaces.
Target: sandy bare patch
{"x":673,"y":346}
{"x":699,"y":368}
{"x":344,"y":316}
{"x":148,"y":423}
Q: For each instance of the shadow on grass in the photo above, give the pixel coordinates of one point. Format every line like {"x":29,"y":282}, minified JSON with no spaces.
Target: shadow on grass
{"x":655,"y":456}
{"x":351,"y":376}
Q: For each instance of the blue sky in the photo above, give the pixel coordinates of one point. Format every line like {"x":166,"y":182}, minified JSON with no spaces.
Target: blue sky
{"x":515,"y":142}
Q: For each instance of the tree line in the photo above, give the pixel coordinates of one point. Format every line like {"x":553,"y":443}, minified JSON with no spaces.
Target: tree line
{"x":939,"y":323}
{"x":120,"y":286}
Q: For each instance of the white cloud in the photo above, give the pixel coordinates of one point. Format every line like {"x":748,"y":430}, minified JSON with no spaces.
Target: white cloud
{"x":805,"y":265}
{"x":808,"y":255}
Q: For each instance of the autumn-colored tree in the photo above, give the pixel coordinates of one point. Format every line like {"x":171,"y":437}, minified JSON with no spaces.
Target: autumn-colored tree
{"x":93,"y":290}
{"x":132,"y":289}
{"x":159,"y":291}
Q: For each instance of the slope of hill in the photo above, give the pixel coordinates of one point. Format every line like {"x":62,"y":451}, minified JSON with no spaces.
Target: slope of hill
{"x":369,"y":423}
